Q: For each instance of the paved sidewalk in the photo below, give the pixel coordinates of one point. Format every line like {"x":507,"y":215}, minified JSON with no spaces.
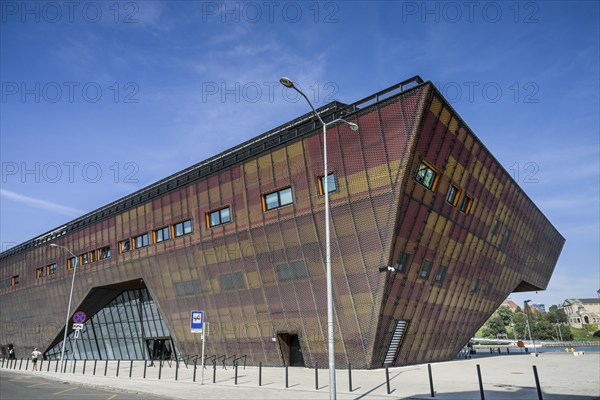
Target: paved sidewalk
{"x":562,"y":376}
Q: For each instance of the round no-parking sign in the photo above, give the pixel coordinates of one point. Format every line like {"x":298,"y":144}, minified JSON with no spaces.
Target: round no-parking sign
{"x":79,"y":317}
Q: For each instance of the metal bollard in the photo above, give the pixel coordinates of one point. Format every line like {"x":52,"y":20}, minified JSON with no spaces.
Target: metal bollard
{"x":194,"y":380}
{"x":160,"y":369}
{"x":130,"y":368}
{"x":480,"y":383}
{"x":118,"y":365}
{"x":430,"y":380}
{"x":27,"y":365}
{"x":145,"y":366}
{"x":48,"y":367}
{"x":387,"y":380}
{"x":105,"y":367}
{"x":537,"y":383}
{"x":350,"y":377}
{"x":260,"y":373}
{"x":214,"y":371}
{"x":74,"y":366}
{"x":56,"y":368}
{"x":95,"y":363}
{"x":235,"y":364}
{"x":20,"y":364}
{"x":84,"y":362}
{"x":176,"y":370}
{"x":287,"y":383}
{"x":316,"y":376}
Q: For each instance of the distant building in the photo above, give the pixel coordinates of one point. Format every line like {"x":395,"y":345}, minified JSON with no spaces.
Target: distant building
{"x":513,"y":306}
{"x":540,"y":307}
{"x":582,"y":312}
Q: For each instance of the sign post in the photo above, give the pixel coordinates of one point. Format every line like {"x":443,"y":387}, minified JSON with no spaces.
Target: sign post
{"x":196,"y":326}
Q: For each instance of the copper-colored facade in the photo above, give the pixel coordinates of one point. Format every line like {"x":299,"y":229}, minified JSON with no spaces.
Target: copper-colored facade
{"x":381,"y":216}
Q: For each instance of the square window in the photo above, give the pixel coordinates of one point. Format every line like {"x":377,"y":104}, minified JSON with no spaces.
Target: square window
{"x":332,"y":187}
{"x":162,"y":234}
{"x":277,"y":199}
{"x":71,"y":262}
{"x":402,"y":262}
{"x":218,"y":217}
{"x":183,"y":228}
{"x":142,"y":241}
{"x":51,"y":269}
{"x":104,"y":253}
{"x":466,"y":204}
{"x":125,"y":246}
{"x":14,"y":280}
{"x":39,"y":272}
{"x":425,"y":269}
{"x":84,"y":258}
{"x":427,"y":176}
{"x":441,"y":274}
{"x":453,"y":195}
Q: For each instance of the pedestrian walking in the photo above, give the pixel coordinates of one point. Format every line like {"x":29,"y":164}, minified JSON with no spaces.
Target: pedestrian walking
{"x":34,"y":358}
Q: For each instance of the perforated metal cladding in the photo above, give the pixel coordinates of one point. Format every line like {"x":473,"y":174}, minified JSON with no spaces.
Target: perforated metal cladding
{"x":378,"y":211}
{"x":485,"y":261}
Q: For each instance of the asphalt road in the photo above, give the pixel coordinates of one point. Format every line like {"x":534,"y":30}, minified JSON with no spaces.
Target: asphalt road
{"x":14,"y":386}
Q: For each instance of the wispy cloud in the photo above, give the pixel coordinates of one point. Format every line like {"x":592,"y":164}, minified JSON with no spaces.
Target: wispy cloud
{"x":43,"y":204}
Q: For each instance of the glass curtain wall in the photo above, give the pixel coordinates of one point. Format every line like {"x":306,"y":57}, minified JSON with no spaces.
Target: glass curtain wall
{"x":122,"y":330}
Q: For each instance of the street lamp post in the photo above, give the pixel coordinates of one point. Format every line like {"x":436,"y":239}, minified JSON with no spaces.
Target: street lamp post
{"x":332,"y":387}
{"x":62,"y":353}
{"x":529,"y":326}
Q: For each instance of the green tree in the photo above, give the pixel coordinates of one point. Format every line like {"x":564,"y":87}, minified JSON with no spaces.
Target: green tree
{"x":494,"y":327}
{"x":520,"y":325}
{"x":543,"y":330}
{"x":556,"y":315}
{"x":506,"y":314}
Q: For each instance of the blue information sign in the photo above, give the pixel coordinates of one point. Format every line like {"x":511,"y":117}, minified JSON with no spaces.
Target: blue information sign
{"x":197,"y":321}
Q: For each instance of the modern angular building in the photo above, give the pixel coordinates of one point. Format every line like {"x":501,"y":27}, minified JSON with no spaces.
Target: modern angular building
{"x":429,"y":235}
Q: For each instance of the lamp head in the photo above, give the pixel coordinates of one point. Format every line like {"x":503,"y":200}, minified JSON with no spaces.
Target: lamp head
{"x":286,"y":82}
{"x":353,"y":126}
{"x":53,"y":245}
{"x":527,"y":301}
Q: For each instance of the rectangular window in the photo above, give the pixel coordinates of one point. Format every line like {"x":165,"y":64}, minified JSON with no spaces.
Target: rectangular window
{"x":104,"y":253}
{"x":183,"y":228}
{"x":14,"y":280}
{"x":125,"y":246}
{"x":332,"y":187}
{"x":141,"y":241}
{"x":162,"y":234}
{"x":39,"y":272}
{"x":188,"y":287}
{"x":232,"y":281}
{"x":84,"y":258}
{"x":71,"y":262}
{"x":425,"y":269}
{"x":466,"y":204}
{"x":495,"y":227}
{"x":277,"y":199}
{"x":453,"y":195}
{"x":292,"y":271}
{"x":441,"y":274}
{"x":427,"y":176}
{"x":402,"y":262}
{"x":51,"y":269}
{"x":218,"y":217}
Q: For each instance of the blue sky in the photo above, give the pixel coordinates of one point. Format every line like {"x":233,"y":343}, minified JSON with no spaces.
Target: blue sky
{"x":99,"y":99}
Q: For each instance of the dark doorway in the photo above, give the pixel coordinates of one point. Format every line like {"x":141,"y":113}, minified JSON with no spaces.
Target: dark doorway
{"x":160,"y":349}
{"x":289,"y":344}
